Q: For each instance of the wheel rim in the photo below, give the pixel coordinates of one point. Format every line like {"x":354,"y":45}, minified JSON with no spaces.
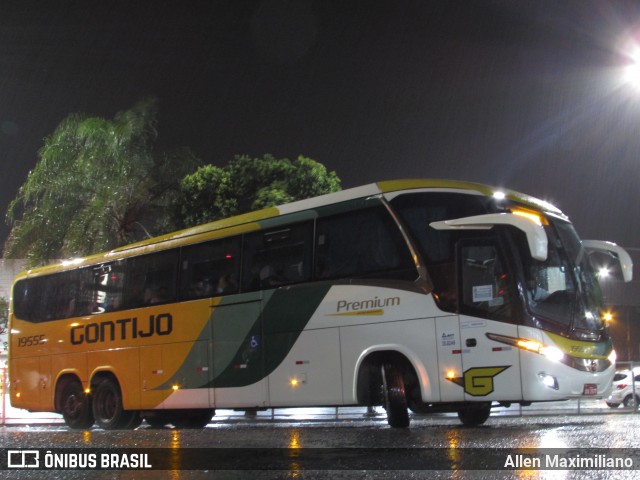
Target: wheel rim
{"x":73,"y":406}
{"x":106,"y":405}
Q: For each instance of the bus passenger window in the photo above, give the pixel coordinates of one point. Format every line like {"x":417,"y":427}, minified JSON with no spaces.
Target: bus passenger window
{"x":362,"y":243}
{"x":103,"y":291}
{"x":29,"y":299}
{"x":277,"y":257}
{"x":210,"y":269}
{"x":60,"y":295}
{"x":151,"y":279}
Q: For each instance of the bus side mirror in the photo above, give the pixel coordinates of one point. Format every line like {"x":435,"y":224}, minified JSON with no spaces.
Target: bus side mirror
{"x":626,"y":264}
{"x":536,"y":236}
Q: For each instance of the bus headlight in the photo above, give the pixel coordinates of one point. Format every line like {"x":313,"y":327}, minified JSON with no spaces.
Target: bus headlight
{"x":552,"y":353}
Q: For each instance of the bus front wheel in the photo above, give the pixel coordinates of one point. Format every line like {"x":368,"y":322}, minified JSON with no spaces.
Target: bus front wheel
{"x":395,"y":398}
{"x":76,"y":406}
{"x":475,"y":414}
{"x":108,"y":410}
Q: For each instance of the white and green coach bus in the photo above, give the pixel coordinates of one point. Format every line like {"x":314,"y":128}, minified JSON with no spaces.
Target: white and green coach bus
{"x":421,"y":295}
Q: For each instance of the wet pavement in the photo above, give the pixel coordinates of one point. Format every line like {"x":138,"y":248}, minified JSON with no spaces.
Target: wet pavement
{"x":324,"y":443}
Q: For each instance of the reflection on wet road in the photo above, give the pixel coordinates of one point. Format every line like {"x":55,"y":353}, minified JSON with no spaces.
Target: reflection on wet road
{"x":358,"y":447}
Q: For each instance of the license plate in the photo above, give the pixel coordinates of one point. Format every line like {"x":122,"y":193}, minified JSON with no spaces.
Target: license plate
{"x":590,"y":389}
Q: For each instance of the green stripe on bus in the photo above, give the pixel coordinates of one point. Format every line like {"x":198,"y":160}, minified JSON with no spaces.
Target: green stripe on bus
{"x":249,"y":343}
{"x":266,"y":345}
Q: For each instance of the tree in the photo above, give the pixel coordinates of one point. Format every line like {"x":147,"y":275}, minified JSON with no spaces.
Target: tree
{"x":248,"y":184}
{"x":98,"y":184}
{"x":4,"y":318}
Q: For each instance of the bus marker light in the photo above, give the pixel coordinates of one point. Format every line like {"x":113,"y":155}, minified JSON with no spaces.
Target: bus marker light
{"x":531,"y":215}
{"x":499,"y":195}
{"x":549,"y":351}
{"x":451,"y":374}
{"x":175,"y":388}
{"x":298,"y":380}
{"x":530,"y":345}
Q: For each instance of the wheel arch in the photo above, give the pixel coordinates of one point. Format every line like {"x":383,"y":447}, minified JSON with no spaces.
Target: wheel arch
{"x":100,"y":375}
{"x":63,"y":379}
{"x":370,"y":361}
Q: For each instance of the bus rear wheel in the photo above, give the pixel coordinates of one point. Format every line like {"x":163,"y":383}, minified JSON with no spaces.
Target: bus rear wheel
{"x":395,"y":398}
{"x":193,"y":418}
{"x":108,"y":410}
{"x":475,"y":414}
{"x":76,"y":406}
{"x":158,"y":420}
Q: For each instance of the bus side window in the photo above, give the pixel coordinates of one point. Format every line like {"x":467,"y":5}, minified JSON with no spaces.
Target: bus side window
{"x":361,"y":243}
{"x":62,"y":290}
{"x":210,"y":269}
{"x":151,"y":279}
{"x":277,"y":257}
{"x":29,"y":299}
{"x":86,"y":297}
{"x":104,"y":293}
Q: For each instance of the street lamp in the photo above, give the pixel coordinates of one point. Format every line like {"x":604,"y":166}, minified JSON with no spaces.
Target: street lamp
{"x":631,"y":74}
{"x":631,"y":70}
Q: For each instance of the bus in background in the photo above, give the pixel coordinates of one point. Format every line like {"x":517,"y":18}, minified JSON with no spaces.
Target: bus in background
{"x":421,"y":295}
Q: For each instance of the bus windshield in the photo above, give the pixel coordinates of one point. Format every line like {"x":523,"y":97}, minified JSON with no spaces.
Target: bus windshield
{"x":562,"y":292}
{"x":564,"y":288}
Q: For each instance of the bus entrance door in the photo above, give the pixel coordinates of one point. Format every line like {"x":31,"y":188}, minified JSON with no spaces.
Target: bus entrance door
{"x":491,"y":370}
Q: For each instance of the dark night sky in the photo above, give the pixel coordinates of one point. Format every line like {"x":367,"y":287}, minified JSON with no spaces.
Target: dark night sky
{"x":525,"y":95}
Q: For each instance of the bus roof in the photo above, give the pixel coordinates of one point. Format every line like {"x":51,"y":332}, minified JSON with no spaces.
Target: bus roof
{"x":250,"y":221}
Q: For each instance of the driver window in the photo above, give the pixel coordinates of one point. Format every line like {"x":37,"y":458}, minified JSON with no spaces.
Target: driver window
{"x":486,"y":285}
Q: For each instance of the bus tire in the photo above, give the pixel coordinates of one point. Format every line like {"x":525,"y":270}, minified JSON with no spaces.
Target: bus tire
{"x":76,"y":406}
{"x":395,"y":398}
{"x":108,"y":410}
{"x":194,"y":419}
{"x":476,"y":414}
{"x":158,"y":420}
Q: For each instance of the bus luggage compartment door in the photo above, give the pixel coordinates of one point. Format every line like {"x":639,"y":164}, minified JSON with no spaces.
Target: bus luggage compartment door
{"x":238,"y":352}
